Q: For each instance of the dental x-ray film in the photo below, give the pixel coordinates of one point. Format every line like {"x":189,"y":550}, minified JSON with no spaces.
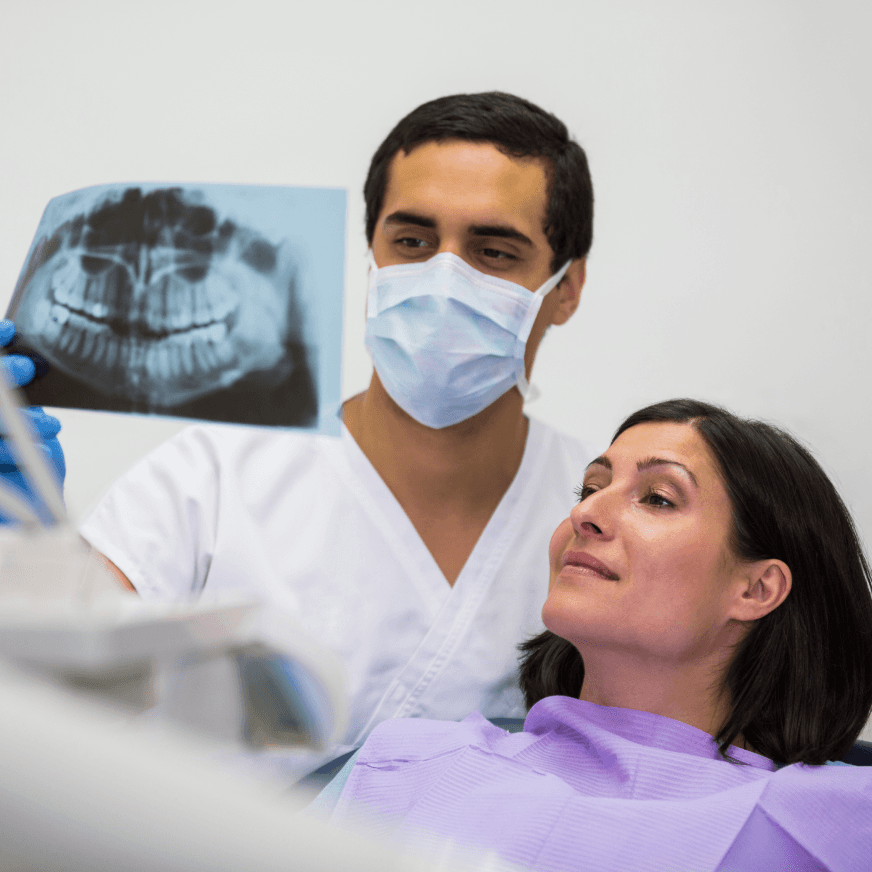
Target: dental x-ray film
{"x":214,"y":302}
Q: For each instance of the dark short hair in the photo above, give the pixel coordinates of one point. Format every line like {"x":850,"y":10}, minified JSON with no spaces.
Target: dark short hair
{"x":519,"y":129}
{"x":800,"y":682}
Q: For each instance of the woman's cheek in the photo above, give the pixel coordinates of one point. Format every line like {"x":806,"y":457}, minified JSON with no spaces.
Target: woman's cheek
{"x":559,"y":540}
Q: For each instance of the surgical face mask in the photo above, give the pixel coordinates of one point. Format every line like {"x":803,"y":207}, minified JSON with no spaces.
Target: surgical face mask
{"x":447,"y":340}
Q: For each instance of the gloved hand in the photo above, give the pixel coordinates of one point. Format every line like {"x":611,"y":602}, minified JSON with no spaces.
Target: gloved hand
{"x":21,"y":370}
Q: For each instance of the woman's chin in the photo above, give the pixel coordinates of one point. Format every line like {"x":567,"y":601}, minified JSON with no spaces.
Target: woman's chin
{"x":557,"y":615}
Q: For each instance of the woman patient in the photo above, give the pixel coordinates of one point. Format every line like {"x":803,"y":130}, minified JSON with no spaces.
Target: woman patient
{"x":709,"y":646}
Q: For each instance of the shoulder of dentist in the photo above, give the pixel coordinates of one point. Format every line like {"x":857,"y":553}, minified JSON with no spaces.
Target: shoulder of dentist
{"x":415,"y":545}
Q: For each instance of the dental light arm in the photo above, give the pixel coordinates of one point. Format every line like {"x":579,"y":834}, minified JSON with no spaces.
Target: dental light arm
{"x":22,"y":438}
{"x":47,"y":562}
{"x":15,"y":498}
{"x":13,"y":505}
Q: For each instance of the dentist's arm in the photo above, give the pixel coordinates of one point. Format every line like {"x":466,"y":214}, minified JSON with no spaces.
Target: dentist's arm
{"x":114,"y":571}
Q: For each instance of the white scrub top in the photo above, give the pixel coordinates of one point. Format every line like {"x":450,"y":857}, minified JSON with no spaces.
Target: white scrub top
{"x":305,"y":521}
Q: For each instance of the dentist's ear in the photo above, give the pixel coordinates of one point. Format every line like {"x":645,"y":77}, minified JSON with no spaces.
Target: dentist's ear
{"x":568,"y":292}
{"x":764,"y":586}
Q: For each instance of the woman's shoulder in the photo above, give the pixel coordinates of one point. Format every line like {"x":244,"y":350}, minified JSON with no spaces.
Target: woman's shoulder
{"x":421,"y":738}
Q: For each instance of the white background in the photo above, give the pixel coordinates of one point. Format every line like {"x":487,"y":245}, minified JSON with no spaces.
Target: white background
{"x":728,"y":142}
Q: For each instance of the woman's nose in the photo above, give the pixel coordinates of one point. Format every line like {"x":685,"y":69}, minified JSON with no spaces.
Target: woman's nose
{"x":590,"y":516}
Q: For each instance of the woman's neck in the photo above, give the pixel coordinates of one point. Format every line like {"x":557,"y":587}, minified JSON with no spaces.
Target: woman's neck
{"x":692,"y":693}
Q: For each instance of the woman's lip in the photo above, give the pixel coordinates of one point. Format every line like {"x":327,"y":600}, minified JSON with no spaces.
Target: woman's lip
{"x":584,"y":560}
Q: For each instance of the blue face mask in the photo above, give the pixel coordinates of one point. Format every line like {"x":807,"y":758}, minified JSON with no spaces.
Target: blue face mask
{"x":447,"y":340}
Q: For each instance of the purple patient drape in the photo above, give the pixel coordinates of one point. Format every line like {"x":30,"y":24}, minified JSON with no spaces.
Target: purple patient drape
{"x":588,"y":787}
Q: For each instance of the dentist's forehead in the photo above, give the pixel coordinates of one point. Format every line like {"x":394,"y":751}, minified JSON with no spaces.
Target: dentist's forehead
{"x":472,"y":182}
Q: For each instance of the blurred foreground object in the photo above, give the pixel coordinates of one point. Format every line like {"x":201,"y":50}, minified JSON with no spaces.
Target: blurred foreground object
{"x":237,"y":672}
{"x":79,"y":794}
{"x":231,"y":671}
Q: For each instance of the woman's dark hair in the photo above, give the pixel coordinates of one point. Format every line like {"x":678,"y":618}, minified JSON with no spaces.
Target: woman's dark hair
{"x":800,"y":681}
{"x":519,"y":129}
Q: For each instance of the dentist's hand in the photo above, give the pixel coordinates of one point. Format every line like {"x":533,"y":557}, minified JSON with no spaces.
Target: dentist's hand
{"x":21,"y":370}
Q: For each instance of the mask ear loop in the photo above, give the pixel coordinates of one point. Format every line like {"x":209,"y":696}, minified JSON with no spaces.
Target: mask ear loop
{"x":527,"y":326}
{"x":371,"y":307}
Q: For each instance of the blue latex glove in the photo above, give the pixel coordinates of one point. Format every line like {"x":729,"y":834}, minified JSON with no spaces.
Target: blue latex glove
{"x":21,"y":371}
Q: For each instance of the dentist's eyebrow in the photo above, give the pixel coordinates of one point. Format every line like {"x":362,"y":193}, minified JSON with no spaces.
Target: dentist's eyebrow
{"x":410,"y":218}
{"x":500,"y":231}
{"x":651,"y":462}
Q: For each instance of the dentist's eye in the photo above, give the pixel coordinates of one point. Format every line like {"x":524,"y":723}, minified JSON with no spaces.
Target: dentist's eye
{"x":411,"y":242}
{"x":497,"y":254}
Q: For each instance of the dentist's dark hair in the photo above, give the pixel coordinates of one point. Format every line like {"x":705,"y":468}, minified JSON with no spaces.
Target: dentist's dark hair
{"x":517,"y":128}
{"x":800,"y":681}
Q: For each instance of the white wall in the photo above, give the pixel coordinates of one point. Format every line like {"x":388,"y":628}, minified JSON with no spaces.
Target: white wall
{"x":728,"y":143}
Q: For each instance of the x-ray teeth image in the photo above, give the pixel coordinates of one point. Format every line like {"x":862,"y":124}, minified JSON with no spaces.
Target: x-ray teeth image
{"x":176,"y":300}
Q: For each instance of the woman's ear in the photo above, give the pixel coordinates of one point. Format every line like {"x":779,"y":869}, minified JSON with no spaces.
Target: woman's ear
{"x":764,"y":586}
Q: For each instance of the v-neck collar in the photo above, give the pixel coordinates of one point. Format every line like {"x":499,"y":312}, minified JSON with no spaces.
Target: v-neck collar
{"x":420,"y":565}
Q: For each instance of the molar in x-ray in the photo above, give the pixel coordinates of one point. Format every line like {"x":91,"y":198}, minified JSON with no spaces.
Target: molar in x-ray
{"x":152,"y":298}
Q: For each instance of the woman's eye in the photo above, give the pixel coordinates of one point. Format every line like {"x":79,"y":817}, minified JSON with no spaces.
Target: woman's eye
{"x":583,"y":490}
{"x":658,"y":500}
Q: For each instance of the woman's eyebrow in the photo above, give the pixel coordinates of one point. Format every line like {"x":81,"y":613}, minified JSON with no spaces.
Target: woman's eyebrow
{"x":650,"y":462}
{"x":647,"y":463}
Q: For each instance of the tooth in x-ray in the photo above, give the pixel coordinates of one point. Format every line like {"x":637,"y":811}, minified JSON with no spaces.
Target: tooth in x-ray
{"x":150,"y":296}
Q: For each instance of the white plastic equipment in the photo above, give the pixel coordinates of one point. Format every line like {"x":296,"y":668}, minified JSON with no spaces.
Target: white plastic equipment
{"x":85,"y":787}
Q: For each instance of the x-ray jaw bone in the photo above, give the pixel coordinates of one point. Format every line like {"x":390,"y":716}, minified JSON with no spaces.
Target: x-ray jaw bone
{"x":151,"y":298}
